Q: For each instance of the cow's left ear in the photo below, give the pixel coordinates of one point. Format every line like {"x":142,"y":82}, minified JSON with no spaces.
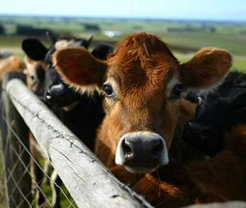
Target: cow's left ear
{"x":87,"y":43}
{"x":34,"y":49}
{"x":79,"y":68}
{"x":207,"y":68}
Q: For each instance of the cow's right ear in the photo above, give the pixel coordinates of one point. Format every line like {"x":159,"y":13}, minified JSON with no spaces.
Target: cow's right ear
{"x":34,"y":49}
{"x":79,"y":68}
{"x":206,"y":69}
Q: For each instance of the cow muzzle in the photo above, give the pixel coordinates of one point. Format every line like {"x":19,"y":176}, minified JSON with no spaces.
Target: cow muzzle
{"x":141,"y":152}
{"x":55,"y":92}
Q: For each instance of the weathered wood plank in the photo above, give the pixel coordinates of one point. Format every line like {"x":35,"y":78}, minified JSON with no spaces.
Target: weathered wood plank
{"x":87,"y":179}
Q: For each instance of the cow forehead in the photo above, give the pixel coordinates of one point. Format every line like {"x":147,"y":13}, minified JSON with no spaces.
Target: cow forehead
{"x":142,"y":61}
{"x":140,"y":47}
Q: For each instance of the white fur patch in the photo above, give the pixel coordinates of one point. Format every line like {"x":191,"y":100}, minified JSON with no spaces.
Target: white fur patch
{"x":61,"y":44}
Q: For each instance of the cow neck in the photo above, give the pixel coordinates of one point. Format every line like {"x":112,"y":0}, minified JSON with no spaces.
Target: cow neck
{"x":236,"y":139}
{"x":182,"y":153}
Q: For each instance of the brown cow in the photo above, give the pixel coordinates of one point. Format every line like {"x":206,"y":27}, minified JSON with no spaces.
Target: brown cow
{"x":142,"y":83}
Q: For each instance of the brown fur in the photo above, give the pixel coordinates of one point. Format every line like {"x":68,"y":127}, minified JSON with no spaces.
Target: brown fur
{"x":220,"y":178}
{"x":213,"y":60}
{"x":30,"y":71}
{"x":68,"y":60}
{"x":140,"y":72}
{"x":11,"y":64}
{"x":31,"y":68}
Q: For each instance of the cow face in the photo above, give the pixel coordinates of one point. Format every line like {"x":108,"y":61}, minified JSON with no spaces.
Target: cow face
{"x":223,"y":109}
{"x":35,"y":71}
{"x":43,"y":77}
{"x":142,"y":83}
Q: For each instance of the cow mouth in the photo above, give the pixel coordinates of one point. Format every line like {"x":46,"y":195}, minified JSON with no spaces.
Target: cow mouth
{"x":140,"y":169}
{"x":59,"y":101}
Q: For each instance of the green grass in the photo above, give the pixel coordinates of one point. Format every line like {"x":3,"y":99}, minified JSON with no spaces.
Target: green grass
{"x":234,"y":43}
{"x":239,"y":63}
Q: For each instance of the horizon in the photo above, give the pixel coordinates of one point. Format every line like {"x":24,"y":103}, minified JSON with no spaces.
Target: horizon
{"x":125,"y":18}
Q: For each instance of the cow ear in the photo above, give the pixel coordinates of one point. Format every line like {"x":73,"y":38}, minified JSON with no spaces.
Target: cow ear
{"x":34,"y":49}
{"x":51,"y":37}
{"x":101,"y":51}
{"x":207,"y":68}
{"x":87,"y":43}
{"x":79,"y":68}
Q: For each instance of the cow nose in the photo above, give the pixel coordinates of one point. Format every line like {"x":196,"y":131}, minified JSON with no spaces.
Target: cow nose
{"x":141,"y":151}
{"x":132,"y":147}
{"x":55,"y":91}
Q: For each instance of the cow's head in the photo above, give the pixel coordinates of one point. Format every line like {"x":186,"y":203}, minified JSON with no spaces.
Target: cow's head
{"x":42,"y":76}
{"x":222,"y":110}
{"x":142,"y":83}
{"x":35,"y":71}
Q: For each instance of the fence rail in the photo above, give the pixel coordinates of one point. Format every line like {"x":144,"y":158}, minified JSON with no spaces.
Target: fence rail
{"x":88,"y":181}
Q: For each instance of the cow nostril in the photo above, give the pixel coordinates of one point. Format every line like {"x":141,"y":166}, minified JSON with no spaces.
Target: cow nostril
{"x":48,"y":95}
{"x":127,"y":149}
{"x":190,"y":124}
{"x":157,"y":148}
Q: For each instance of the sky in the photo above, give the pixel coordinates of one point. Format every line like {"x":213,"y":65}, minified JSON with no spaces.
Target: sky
{"x":220,"y":10}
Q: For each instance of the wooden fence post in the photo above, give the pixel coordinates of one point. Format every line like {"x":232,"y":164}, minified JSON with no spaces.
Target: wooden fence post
{"x":14,"y":132}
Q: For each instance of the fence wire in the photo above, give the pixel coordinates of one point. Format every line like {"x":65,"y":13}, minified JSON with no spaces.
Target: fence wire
{"x":41,"y":192}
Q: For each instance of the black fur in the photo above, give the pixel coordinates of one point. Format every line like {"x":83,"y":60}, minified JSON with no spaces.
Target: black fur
{"x":223,"y":109}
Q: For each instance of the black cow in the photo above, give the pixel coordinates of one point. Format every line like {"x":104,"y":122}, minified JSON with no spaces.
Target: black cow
{"x":223,"y":109}
{"x":69,"y":105}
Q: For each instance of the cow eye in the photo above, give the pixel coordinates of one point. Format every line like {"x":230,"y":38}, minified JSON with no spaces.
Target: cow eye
{"x":177,"y":90}
{"x":107,"y":88}
{"x":32,"y":77}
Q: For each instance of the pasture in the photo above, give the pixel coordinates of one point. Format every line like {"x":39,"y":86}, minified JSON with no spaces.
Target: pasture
{"x":185,"y":37}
